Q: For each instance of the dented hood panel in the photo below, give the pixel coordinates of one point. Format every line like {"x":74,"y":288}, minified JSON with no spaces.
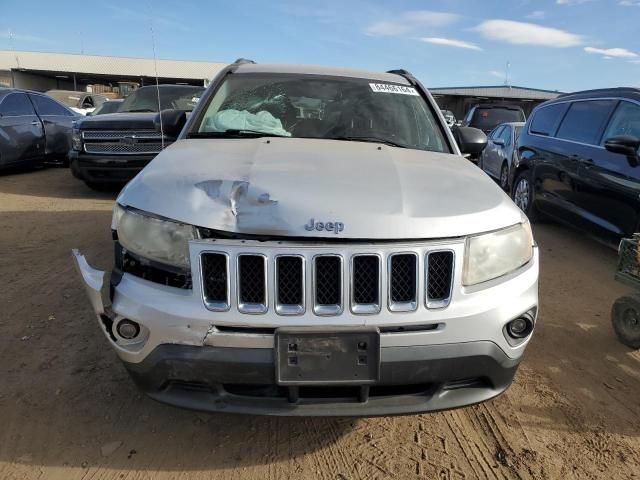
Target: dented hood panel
{"x":275,"y":186}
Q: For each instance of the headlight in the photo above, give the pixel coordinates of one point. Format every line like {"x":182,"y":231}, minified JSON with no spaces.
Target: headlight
{"x":164,"y":241}
{"x":492,"y":255}
{"x":76,"y":140}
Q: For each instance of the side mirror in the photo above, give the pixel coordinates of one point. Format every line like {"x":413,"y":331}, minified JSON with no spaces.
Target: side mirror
{"x":498,"y":141}
{"x":470,"y":140}
{"x":170,"y":122}
{"x":626,"y":145}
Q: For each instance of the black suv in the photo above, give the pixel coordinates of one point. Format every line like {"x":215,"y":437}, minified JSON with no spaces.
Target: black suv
{"x":486,"y":117}
{"x":578,"y":162}
{"x":111,"y":149}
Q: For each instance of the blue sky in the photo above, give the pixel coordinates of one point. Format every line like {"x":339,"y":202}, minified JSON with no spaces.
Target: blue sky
{"x":553,"y":44}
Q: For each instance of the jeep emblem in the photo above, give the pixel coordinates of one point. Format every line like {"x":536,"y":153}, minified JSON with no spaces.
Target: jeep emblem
{"x":335,"y":227}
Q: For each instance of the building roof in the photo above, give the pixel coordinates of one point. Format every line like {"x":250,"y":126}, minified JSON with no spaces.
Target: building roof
{"x":103,"y":65}
{"x":501,"y":91}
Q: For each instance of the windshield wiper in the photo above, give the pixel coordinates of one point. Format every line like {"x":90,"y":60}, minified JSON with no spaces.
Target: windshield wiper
{"x":385,"y":141}
{"x":234,"y":133}
{"x":139,"y":110}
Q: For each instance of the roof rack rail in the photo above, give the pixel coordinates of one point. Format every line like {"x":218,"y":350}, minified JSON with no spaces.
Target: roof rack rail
{"x":241,"y":60}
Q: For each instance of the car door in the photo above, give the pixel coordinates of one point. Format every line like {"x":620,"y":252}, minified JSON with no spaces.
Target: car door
{"x":577,"y":142}
{"x":21,"y":132}
{"x":610,"y":182}
{"x":57,"y":121}
{"x":501,"y":150}
{"x":490,"y":151}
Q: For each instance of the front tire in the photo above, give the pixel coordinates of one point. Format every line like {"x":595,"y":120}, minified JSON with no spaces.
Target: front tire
{"x":523,"y":195}
{"x":504,"y":177}
{"x":625,"y":316}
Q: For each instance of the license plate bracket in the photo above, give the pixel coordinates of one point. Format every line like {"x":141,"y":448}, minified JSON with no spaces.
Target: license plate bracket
{"x":318,"y":357}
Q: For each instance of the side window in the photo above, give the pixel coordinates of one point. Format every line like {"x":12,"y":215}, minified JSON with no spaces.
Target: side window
{"x":506,"y":135}
{"x":496,"y":132}
{"x":546,"y":119}
{"x":46,"y":106}
{"x":585,"y":120}
{"x":625,"y":121}
{"x":15,"y":105}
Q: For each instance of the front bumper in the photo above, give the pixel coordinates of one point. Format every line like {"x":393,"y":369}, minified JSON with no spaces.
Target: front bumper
{"x":115,"y":169}
{"x":191,"y":357}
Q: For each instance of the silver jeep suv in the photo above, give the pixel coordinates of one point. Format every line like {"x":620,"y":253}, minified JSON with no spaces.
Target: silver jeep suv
{"x":316,"y":244}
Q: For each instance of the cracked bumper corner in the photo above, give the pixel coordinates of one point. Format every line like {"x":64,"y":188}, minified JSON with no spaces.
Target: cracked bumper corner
{"x":93,"y":281}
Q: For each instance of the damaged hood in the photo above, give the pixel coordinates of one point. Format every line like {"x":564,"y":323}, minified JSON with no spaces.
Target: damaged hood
{"x":319,"y":188}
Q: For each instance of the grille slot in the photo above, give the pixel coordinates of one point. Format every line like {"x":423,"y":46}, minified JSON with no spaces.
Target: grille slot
{"x":289,"y":285}
{"x":365,"y":284}
{"x":215,"y":278}
{"x":439,"y":278}
{"x":403,"y":282}
{"x":252,"y":283}
{"x":328,"y":285}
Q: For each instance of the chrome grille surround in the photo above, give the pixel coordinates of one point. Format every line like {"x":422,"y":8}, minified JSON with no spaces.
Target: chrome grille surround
{"x":275,"y":305}
{"x":123,"y":142}
{"x":369,"y":307}
{"x":256,"y":281}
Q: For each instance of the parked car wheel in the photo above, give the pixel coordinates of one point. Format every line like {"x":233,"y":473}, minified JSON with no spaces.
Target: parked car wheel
{"x":523,"y":194}
{"x":625,"y":316}
{"x":504,"y":176}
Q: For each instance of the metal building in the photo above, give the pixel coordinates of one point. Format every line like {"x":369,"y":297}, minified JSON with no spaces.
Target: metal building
{"x":45,"y":71}
{"x":460,"y":99}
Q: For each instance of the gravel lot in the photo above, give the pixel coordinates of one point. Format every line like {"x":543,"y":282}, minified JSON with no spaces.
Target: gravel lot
{"x":68,"y":410}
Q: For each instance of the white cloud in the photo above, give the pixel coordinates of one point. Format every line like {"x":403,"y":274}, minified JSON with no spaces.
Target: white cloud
{"x":449,"y":42}
{"x":536,"y":15}
{"x":629,"y":3}
{"x":408,"y":22}
{"x":521,"y":33}
{"x":635,"y":61}
{"x":611,"y":52}
{"x":496,"y":73}
{"x":571,"y":2}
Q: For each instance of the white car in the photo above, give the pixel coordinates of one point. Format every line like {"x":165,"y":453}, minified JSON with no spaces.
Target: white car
{"x":348,"y":261}
{"x":499,"y":156}
{"x":79,"y":102}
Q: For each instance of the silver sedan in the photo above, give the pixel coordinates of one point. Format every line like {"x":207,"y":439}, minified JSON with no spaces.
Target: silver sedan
{"x":498,"y":156}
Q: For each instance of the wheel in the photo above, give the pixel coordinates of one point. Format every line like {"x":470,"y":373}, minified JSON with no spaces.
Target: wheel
{"x":504,"y":176}
{"x":523,"y":195}
{"x":625,"y":316}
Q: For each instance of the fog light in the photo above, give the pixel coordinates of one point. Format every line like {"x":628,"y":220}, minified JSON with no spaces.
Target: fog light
{"x":520,"y":327}
{"x":128,"y":329}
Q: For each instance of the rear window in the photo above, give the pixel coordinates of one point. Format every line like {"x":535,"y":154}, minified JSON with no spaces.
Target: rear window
{"x":545,"y":119}
{"x":488,"y":118}
{"x":585,"y":120}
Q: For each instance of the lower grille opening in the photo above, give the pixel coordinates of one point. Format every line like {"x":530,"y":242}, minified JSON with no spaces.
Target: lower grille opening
{"x":254,"y":330}
{"x":478,"y":382}
{"x":410,"y":328}
{"x":439,"y":276}
{"x":192,"y":386}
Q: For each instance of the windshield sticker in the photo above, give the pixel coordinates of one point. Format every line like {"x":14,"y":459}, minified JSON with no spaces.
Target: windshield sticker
{"x":389,"y":88}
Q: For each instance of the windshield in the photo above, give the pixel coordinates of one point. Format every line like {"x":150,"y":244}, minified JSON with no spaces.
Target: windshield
{"x":489,"y":118}
{"x":107,"y":107}
{"x":314,"y":106}
{"x":70,"y":99}
{"x":145,"y":99}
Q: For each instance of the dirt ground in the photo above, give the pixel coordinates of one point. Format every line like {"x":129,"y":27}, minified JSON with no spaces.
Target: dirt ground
{"x":68,"y":410}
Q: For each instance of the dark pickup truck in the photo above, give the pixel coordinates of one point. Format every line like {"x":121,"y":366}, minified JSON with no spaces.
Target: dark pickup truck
{"x":111,"y":149}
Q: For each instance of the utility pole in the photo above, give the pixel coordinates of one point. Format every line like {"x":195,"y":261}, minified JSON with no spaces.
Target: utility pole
{"x":506,"y":74}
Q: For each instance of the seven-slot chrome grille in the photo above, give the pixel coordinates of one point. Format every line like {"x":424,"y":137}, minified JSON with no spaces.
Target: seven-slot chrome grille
{"x":123,"y":142}
{"x":327,"y":283}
